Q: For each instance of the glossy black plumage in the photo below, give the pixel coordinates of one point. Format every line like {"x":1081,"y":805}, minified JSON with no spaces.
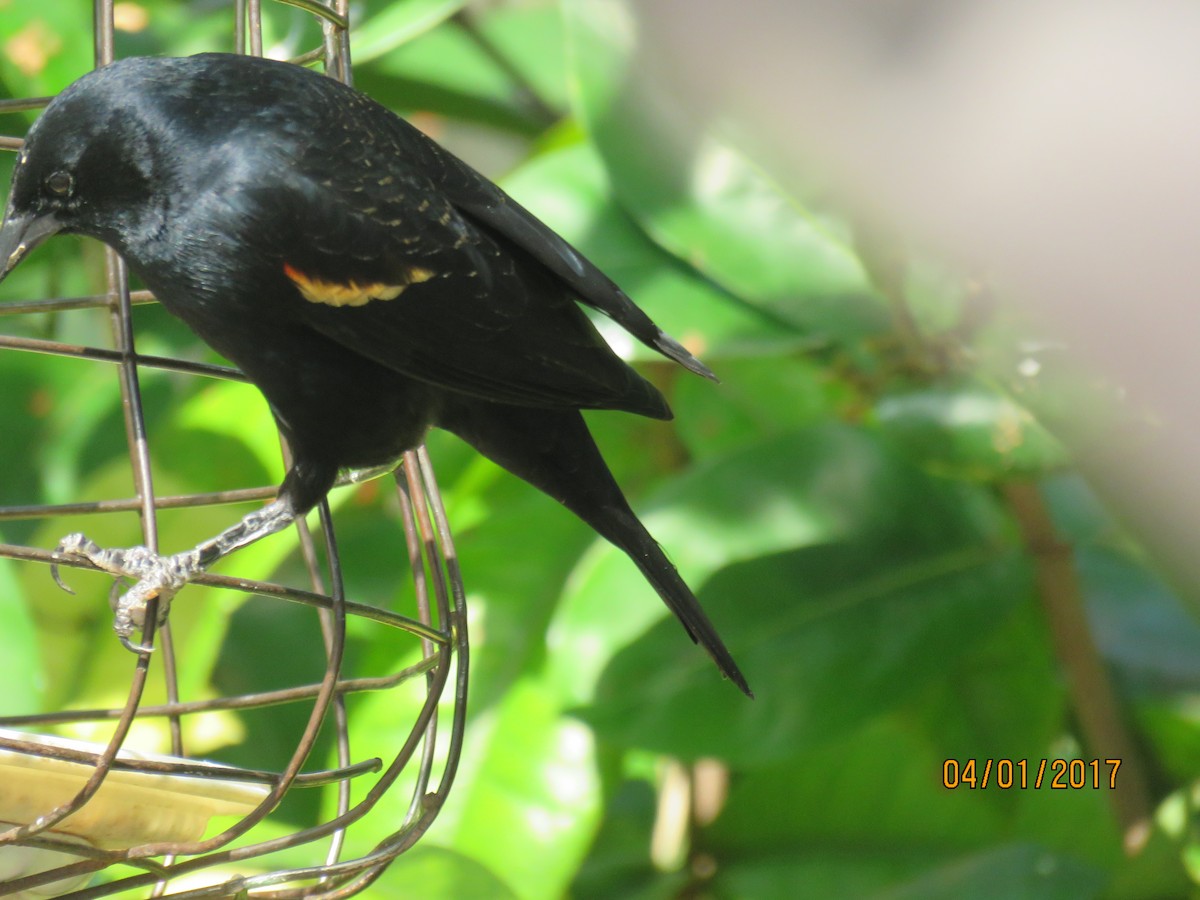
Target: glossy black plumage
{"x":368,"y":282}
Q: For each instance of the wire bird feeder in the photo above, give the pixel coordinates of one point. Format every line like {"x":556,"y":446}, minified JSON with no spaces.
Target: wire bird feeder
{"x":73,"y":808}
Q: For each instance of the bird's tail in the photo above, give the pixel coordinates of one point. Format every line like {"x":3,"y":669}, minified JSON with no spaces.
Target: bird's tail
{"x":553,"y":450}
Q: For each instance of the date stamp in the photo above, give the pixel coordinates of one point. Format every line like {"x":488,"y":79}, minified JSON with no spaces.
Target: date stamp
{"x":1024,"y":774}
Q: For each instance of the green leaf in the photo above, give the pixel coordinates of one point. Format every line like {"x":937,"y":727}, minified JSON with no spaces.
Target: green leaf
{"x":759,"y":396}
{"x":237,"y":413}
{"x":500,"y":67}
{"x":392,"y":24}
{"x":535,"y":772}
{"x":968,"y":430}
{"x":799,"y":872}
{"x":809,"y":488}
{"x":700,"y":197}
{"x":1016,"y":871}
{"x":1002,"y":698}
{"x":20,"y":659}
{"x":531,"y":40}
{"x":445,"y":73}
{"x":85,"y":427}
{"x":1141,"y":627}
{"x":526,"y":798}
{"x":515,"y":586}
{"x":569,"y":189}
{"x":619,"y":860}
{"x":829,"y":637}
{"x":438,"y":873}
{"x":879,"y":787}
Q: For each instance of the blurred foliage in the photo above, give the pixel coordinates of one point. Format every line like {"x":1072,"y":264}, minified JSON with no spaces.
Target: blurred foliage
{"x":837,"y":503}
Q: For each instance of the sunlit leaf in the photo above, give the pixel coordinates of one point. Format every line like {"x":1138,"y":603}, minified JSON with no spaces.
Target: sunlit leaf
{"x":516,"y":31}
{"x":534,"y":771}
{"x":393,"y":24}
{"x":438,"y":873}
{"x":569,"y":189}
{"x":20,"y":656}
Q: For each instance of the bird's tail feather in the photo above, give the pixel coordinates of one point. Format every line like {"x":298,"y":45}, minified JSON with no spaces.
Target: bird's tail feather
{"x":553,"y":450}
{"x":622,"y":528}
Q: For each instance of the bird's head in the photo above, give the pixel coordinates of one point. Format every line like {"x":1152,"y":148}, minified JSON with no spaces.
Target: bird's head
{"x":91,"y":164}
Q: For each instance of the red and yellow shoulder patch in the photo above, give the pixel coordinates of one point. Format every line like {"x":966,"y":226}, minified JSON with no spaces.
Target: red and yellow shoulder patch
{"x":351,"y":293}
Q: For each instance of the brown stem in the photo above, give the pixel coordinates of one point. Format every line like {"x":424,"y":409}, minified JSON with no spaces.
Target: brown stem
{"x":1104,"y":730}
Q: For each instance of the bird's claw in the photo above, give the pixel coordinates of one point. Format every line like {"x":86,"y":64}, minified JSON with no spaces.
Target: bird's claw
{"x":80,"y":547}
{"x":58,"y":579}
{"x":157,"y":579}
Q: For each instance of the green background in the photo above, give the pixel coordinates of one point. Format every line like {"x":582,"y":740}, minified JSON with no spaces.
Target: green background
{"x":842,"y":503}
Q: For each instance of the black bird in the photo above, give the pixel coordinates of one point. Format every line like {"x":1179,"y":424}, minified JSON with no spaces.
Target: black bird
{"x":370,"y":284}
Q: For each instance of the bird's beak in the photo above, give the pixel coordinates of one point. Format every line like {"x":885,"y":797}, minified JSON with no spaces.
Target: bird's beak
{"x":21,"y":233}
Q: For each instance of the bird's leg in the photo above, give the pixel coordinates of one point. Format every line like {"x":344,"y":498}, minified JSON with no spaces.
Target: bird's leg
{"x":160,"y":577}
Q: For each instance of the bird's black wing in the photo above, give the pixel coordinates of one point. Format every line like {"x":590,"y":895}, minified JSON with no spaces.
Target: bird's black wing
{"x":486,"y":205}
{"x":383,"y":261}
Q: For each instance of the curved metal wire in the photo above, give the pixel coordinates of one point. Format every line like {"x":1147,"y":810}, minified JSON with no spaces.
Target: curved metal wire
{"x":437,"y":627}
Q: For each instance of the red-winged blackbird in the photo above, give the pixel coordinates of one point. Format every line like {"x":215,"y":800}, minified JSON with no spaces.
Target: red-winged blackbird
{"x":366,"y":280}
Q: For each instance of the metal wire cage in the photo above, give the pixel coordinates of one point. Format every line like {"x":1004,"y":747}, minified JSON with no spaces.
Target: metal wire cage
{"x":250,"y":857}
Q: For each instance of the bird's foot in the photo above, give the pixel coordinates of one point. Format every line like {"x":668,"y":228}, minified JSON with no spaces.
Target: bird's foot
{"x":157,"y":578}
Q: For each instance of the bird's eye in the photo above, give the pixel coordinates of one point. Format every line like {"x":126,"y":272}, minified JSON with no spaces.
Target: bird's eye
{"x":60,"y":183}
